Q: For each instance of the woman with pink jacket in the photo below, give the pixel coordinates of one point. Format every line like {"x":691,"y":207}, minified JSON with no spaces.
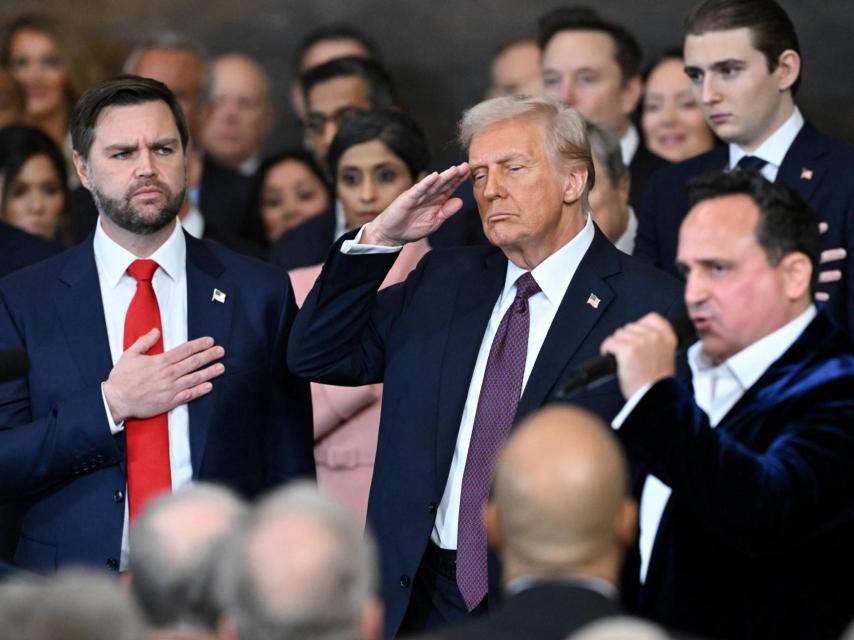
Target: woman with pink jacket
{"x":375,"y":157}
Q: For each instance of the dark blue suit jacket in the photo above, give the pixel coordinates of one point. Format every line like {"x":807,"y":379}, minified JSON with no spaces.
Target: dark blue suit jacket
{"x":756,"y":539}
{"x":826,"y":184}
{"x":253,"y":431}
{"x":20,"y":249}
{"x":422,"y":339}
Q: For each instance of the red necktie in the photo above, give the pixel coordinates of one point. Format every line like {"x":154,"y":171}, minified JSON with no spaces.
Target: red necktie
{"x":149,"y":473}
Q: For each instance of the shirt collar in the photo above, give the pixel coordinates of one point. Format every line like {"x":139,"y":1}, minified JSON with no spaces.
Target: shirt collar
{"x":775,"y":147}
{"x":750,"y":363}
{"x":554,"y":274}
{"x":629,"y":144}
{"x":113,"y":260}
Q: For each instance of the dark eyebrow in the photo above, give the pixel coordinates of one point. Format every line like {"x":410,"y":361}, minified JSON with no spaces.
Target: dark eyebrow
{"x":120,"y":146}
{"x":165,"y":142}
{"x":729,"y":62}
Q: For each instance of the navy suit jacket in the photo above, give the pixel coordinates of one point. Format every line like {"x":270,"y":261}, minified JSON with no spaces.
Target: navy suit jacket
{"x":421,"y":338}
{"x":755,"y":541}
{"x":815,"y":166}
{"x":253,"y":431}
{"x":20,"y":249}
{"x":643,"y":166}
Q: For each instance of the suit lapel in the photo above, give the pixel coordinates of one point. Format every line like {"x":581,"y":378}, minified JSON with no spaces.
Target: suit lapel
{"x":576,"y":316}
{"x":81,"y":313}
{"x":802,"y":168}
{"x":208,"y":314}
{"x":472,"y":307}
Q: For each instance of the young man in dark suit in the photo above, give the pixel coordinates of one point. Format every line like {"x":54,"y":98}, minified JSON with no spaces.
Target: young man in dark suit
{"x":744,"y":60}
{"x":155,"y":359}
{"x":456,"y":326}
{"x":593,"y":65}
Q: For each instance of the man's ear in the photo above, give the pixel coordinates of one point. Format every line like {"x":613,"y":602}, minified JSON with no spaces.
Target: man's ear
{"x":575,"y":183}
{"x":226,"y":629}
{"x":788,"y":69}
{"x":626,"y":527}
{"x":80,"y":167}
{"x":490,"y":523}
{"x":797,"y":275}
{"x":371,"y":624}
{"x":630,"y":95}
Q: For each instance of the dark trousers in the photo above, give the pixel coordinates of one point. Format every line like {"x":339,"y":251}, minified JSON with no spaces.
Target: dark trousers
{"x":436,"y":600}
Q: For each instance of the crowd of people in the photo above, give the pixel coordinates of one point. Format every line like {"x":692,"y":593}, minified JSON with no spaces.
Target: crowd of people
{"x":337,"y":392}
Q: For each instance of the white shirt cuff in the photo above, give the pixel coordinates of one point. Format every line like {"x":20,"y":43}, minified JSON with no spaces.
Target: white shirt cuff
{"x":631,"y":403}
{"x":114,"y":428}
{"x":352,"y":247}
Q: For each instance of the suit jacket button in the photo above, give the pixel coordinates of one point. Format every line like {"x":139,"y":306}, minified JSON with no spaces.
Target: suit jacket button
{"x":431,"y":508}
{"x":112,"y":564}
{"x":404,"y":582}
{"x":118,"y":496}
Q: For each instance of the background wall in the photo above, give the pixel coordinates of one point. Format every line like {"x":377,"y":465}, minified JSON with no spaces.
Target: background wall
{"x":439,"y":52}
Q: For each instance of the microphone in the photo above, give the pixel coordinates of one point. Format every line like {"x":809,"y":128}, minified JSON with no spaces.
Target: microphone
{"x":602,"y":368}
{"x":14,"y":364}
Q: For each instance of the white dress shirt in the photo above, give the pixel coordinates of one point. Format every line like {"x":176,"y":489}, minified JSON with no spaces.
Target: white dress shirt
{"x":629,"y":144}
{"x":170,"y":287}
{"x":717,"y":387}
{"x":553,"y":275}
{"x":194,"y":222}
{"x":774,"y":149}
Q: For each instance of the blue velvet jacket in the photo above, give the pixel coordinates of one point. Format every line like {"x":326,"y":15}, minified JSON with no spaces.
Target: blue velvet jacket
{"x":757,"y":540}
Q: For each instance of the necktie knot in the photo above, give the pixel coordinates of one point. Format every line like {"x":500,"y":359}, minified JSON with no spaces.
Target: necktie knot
{"x":526,"y":286}
{"x":142,"y":270}
{"x":751,"y":163}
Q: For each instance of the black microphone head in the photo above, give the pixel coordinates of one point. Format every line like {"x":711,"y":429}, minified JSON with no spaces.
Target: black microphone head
{"x":686,"y":334}
{"x":14,"y":364}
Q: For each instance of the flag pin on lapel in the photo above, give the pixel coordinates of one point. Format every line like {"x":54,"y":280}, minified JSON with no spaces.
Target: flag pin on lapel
{"x":593,"y":300}
{"x":218,"y":296}
{"x":806,"y":174}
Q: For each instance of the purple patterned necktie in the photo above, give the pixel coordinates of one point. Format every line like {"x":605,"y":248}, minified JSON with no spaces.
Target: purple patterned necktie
{"x":496,"y":407}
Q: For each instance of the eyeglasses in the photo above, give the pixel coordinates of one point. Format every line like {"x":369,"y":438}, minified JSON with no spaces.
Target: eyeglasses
{"x":316,"y":122}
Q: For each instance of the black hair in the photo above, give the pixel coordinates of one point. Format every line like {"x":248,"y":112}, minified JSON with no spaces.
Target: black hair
{"x":123,"y":90}
{"x":19,"y":143}
{"x":671,"y":53}
{"x":395,"y":129}
{"x":627,"y":53}
{"x":255,"y":226}
{"x":772,"y":31}
{"x":787,"y":224}
{"x":381,"y":91}
{"x":333,"y":32}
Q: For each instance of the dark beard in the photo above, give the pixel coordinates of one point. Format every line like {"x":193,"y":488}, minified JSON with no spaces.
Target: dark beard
{"x":124,"y":215}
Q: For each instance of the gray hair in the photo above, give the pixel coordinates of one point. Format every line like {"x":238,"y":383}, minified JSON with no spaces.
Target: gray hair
{"x":72,"y":605}
{"x":208,"y":77}
{"x":173,"y":559}
{"x":606,"y":149}
{"x":566,"y":134}
{"x":168,"y":41}
{"x":620,"y":628}
{"x":323,"y":601}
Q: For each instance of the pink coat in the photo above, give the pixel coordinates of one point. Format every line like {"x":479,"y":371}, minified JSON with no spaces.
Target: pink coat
{"x":347,"y":419}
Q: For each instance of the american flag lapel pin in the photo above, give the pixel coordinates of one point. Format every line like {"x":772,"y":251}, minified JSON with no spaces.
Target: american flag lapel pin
{"x":593,"y":300}
{"x":806,"y":174}
{"x":218,"y":296}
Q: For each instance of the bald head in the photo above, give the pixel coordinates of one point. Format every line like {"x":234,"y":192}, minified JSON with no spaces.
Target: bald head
{"x":560,"y":495}
{"x":173,"y":549}
{"x":299,"y":552}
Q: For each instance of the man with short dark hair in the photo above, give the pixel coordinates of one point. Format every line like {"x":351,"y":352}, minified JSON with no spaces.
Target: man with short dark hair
{"x":128,"y":336}
{"x":337,"y":88}
{"x":745,"y":475}
{"x":476,"y":338}
{"x":593,"y":65}
{"x":744,"y":60}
